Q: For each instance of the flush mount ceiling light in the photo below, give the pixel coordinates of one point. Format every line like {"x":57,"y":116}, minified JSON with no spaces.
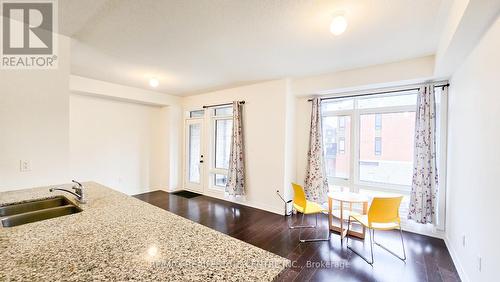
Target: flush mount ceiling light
{"x":338,"y":25}
{"x":153,"y":82}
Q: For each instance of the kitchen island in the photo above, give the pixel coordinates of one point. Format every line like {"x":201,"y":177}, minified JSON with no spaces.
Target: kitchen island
{"x":117,"y":237}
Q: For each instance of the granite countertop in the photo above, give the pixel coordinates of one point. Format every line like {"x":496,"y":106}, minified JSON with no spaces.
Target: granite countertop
{"x":118,"y":237}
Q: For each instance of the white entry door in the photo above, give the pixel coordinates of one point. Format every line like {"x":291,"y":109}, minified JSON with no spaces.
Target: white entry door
{"x":194,"y":170}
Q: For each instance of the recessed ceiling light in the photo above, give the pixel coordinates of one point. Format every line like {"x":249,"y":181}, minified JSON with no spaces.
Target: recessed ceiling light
{"x":338,"y":25}
{"x":153,"y":82}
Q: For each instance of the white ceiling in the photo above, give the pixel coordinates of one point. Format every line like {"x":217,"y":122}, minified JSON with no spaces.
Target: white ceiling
{"x":198,"y":45}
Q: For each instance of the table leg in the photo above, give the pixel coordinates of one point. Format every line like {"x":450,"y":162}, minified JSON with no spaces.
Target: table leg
{"x":330,"y":215}
{"x":341,"y":220}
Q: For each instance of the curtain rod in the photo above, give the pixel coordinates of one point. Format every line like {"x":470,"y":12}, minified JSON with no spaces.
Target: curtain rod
{"x":219,"y":105}
{"x":378,"y":92}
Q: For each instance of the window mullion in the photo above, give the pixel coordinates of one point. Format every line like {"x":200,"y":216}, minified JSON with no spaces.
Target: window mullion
{"x":354,"y":165}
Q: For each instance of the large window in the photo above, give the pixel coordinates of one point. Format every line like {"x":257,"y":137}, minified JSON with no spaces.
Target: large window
{"x":368,"y":145}
{"x":368,"y":141}
{"x":222,"y":129}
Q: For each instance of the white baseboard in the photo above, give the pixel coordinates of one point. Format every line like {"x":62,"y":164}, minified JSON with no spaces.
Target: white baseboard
{"x":169,"y":190}
{"x":424,"y":231}
{"x":248,"y":204}
{"x":259,"y":206}
{"x":456,"y":261}
{"x":220,"y":196}
{"x":166,"y":189}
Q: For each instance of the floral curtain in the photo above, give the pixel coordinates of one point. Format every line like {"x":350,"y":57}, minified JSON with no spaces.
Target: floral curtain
{"x":316,"y":183}
{"x":235,"y":185}
{"x":425,"y":177}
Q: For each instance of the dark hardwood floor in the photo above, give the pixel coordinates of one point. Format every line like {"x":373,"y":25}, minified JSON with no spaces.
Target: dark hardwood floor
{"x":428,"y":258}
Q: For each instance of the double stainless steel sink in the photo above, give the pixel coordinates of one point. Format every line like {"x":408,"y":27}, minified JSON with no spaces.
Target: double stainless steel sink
{"x":36,"y":210}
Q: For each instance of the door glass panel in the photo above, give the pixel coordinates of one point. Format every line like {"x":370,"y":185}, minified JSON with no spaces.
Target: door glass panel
{"x":194,"y":152}
{"x":337,"y":145}
{"x":386,"y":147}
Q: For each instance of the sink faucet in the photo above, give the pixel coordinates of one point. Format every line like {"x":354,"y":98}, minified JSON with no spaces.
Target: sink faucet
{"x":79,"y":191}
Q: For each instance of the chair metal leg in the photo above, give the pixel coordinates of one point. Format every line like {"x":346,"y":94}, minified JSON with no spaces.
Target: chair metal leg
{"x":402,"y":242}
{"x":302,"y":225}
{"x":391,"y":252}
{"x":315,"y":239}
{"x":354,"y":251}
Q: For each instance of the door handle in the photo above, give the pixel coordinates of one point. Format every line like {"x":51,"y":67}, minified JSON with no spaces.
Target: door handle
{"x":201,"y":161}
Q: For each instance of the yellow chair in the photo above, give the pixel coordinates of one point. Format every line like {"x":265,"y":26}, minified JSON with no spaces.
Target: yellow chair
{"x":304,"y":206}
{"x":382,"y":215}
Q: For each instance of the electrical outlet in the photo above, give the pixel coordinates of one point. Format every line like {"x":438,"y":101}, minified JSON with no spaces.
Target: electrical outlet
{"x":24,"y":166}
{"x":463,"y":240}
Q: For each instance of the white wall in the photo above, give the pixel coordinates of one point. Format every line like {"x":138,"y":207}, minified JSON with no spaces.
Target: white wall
{"x":290,"y":160}
{"x":466,"y":22}
{"x":474,"y":160}
{"x":165,"y":127}
{"x":119,"y":144}
{"x":167,"y":158}
{"x":403,"y":72}
{"x":280,"y":109}
{"x":98,"y":88}
{"x":265,"y":129}
{"x":302,"y":128}
{"x":124,"y":145}
{"x":34,"y":124}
